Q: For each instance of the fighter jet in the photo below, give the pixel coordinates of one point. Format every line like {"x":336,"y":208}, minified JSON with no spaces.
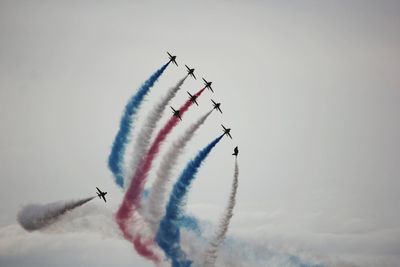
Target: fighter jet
{"x":190,"y":72}
{"x":101,"y":194}
{"x":193,"y":98}
{"x":217,"y":106}
{"x":176,"y":113}
{"x":208,"y":85}
{"x":227,"y":131}
{"x":172,"y":59}
{"x":235,"y":151}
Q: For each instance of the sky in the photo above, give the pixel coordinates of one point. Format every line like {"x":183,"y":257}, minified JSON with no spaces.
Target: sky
{"x":309,"y":88}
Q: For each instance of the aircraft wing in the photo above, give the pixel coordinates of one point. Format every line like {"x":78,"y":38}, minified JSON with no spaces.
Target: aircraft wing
{"x":223,"y":127}
{"x":98,"y":190}
{"x":187,"y":67}
{"x":204,"y":80}
{"x":211,"y":89}
{"x":214,"y":104}
{"x":176,"y":63}
{"x":194,"y":76}
{"x":169,"y":54}
{"x":229,"y":134}
{"x":219,"y":110}
{"x":104,"y":198}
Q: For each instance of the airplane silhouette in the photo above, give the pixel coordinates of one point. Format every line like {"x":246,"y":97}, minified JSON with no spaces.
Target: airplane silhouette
{"x":208,"y":85}
{"x":101,"y":194}
{"x":235,"y":151}
{"x":176,"y":113}
{"x":172,"y":58}
{"x":217,"y":106}
{"x":193,"y":98}
{"x":227,"y":131}
{"x":190,"y":72}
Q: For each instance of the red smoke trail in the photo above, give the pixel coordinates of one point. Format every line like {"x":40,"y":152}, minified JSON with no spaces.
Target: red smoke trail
{"x":131,"y":200}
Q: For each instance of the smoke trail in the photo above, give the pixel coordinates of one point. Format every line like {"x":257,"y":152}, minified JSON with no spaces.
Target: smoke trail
{"x":211,"y":253}
{"x":157,"y":196}
{"x":131,"y":201}
{"x":37,"y":216}
{"x":168,"y":235}
{"x":116,"y":157}
{"x":144,"y":136}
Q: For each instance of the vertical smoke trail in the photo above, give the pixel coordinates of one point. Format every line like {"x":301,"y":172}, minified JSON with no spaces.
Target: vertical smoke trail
{"x":131,"y":201}
{"x":157,"y":196}
{"x":36,"y":216}
{"x":144,"y":135}
{"x":212,"y":251}
{"x":168,"y":235}
{"x":116,"y":157}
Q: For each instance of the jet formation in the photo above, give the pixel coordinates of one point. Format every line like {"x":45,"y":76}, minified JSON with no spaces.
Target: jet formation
{"x":176,"y":113}
{"x":193,"y":98}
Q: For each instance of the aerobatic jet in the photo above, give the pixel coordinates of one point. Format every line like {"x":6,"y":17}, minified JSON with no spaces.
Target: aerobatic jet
{"x":190,"y":72}
{"x":172,"y":59}
{"x":217,"y":106}
{"x":208,"y":85}
{"x":176,"y":113}
{"x":235,"y":151}
{"x":101,"y":194}
{"x":227,"y":131}
{"x":193,"y":98}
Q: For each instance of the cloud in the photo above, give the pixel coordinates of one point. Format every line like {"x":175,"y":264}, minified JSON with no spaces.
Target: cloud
{"x":20,"y":248}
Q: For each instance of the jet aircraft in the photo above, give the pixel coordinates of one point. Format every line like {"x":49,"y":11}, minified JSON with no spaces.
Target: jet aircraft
{"x":101,"y":194}
{"x":227,"y":131}
{"x":172,"y":59}
{"x":193,"y":98}
{"x":208,"y":85}
{"x":190,"y":72}
{"x":235,"y":151}
{"x":216,"y":106}
{"x":176,"y":113}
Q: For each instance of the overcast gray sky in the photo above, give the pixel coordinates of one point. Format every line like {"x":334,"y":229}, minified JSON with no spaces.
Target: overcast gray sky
{"x":310,"y":89}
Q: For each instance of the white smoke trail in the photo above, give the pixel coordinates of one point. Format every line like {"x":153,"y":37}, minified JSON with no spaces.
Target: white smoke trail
{"x":212,"y":251}
{"x":144,"y":136}
{"x":154,"y":206}
{"x":38,"y":216}
{"x":90,"y":218}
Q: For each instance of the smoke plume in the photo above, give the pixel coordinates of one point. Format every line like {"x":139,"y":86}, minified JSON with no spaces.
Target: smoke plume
{"x":34,"y":217}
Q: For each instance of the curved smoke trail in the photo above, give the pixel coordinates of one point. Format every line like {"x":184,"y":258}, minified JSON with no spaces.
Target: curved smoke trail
{"x":131,"y":202}
{"x":168,"y":235}
{"x":116,"y":157}
{"x":34,"y":217}
{"x":154,"y":208}
{"x":145,"y":133}
{"x":211,"y":253}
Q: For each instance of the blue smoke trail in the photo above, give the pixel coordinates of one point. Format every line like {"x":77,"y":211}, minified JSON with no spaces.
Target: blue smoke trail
{"x":187,"y":221}
{"x":116,"y":157}
{"x":190,"y":223}
{"x":168,"y":235}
